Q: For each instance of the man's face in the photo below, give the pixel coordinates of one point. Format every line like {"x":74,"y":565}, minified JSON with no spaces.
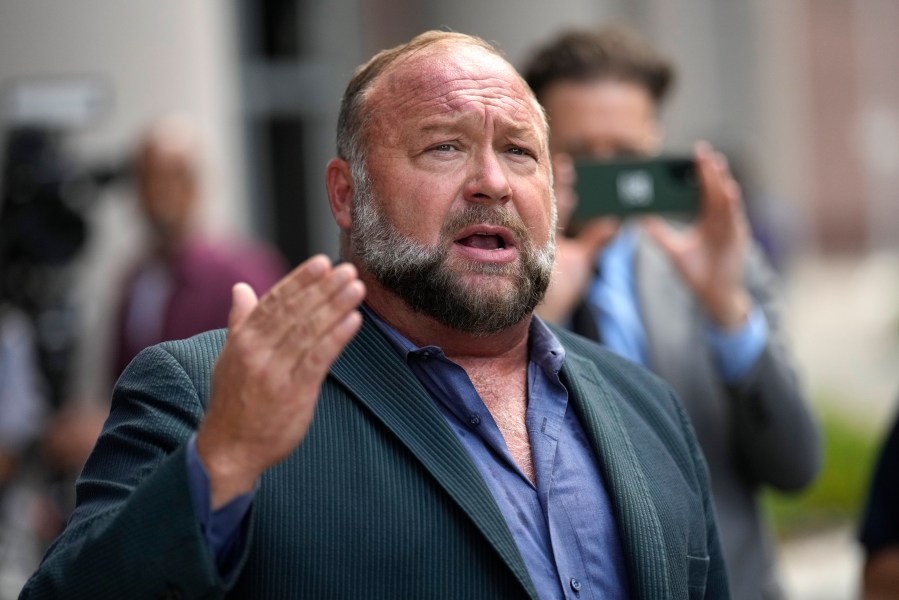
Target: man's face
{"x":165,"y":189}
{"x":604,"y":119}
{"x":457,"y":214}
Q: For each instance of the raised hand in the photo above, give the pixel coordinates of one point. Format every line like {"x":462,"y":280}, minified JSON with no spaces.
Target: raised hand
{"x":709,"y":255}
{"x":267,"y":379}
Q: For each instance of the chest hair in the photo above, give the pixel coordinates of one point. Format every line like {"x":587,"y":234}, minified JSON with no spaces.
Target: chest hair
{"x":505,"y":395}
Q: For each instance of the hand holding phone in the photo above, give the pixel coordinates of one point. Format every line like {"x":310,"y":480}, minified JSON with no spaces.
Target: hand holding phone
{"x":627,"y":187}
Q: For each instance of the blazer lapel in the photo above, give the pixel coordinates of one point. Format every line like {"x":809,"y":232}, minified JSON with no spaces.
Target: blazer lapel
{"x":371,"y":370}
{"x":638,"y":521}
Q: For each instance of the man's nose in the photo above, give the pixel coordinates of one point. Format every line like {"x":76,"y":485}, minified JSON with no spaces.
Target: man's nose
{"x":489,"y":181}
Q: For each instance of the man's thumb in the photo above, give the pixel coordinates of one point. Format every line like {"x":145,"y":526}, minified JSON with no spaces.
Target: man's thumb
{"x":243,"y":301}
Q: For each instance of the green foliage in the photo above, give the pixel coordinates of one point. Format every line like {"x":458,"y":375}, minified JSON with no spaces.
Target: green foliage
{"x":838,"y":495}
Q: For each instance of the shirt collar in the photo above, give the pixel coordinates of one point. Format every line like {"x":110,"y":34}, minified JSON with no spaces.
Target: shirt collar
{"x":545,"y":350}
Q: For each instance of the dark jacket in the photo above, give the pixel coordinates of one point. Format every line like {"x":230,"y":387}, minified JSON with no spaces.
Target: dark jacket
{"x":380,"y":500}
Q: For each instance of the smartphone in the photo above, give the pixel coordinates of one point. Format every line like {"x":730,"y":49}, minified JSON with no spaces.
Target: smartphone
{"x":625,"y":187}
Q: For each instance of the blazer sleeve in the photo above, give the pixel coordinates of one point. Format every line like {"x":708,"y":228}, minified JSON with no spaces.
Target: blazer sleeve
{"x":776,"y":436}
{"x":134,"y":533}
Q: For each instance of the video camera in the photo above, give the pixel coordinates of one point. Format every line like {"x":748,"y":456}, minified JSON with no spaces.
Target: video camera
{"x":44,"y":196}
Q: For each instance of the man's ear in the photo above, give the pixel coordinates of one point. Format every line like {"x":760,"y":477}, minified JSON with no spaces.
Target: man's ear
{"x":339,"y":181}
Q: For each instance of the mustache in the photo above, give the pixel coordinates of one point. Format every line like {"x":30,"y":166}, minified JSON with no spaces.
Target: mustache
{"x":477,"y":214}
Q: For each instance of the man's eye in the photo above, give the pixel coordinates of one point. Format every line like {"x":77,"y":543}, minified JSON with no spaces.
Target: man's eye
{"x":517,"y":151}
{"x":444,"y":147}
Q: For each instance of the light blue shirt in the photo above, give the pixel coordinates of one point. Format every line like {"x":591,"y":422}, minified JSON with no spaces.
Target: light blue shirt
{"x":613,"y":300}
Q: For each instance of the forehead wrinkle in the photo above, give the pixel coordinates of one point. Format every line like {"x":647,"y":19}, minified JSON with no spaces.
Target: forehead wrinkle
{"x":449,"y":88}
{"x":456,"y":100}
{"x":423,"y":84}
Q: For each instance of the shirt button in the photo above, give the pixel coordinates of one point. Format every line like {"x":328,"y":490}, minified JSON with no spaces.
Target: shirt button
{"x":575,"y":584}
{"x":474,"y":419}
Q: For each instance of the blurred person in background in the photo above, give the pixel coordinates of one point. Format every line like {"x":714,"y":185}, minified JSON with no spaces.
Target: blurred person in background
{"x":695,"y":304}
{"x":182,"y":286}
{"x":879,"y":533}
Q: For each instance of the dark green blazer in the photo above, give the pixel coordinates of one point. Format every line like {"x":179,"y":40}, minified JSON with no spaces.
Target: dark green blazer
{"x":380,"y":500}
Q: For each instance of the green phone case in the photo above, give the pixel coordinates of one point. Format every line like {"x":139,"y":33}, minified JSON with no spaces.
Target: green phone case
{"x":636,"y":186}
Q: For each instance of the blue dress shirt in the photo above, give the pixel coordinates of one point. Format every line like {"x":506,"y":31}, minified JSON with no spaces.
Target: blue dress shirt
{"x":564,"y":526}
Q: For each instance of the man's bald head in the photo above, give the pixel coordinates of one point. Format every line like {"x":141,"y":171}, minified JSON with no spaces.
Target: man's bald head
{"x":168,"y":176}
{"x":353,"y":125}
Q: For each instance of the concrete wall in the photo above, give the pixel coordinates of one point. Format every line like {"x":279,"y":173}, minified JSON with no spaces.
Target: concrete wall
{"x":158,"y":56}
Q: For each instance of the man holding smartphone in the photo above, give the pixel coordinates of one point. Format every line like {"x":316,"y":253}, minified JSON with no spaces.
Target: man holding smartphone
{"x":694,"y":304}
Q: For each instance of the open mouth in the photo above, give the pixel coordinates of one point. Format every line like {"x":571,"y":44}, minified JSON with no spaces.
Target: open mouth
{"x":483,"y":241}
{"x":486,"y":237}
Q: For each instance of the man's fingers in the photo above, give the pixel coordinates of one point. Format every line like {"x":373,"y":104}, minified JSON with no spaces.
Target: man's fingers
{"x":301,"y":277}
{"x":309,"y":270}
{"x":243,"y":301}
{"x":709,"y":178}
{"x":314,"y":309}
{"x":289,"y":295}
{"x":668,"y":238}
{"x":288,"y":309}
{"x":722,"y":204}
{"x":306,"y":331}
{"x":313,"y":366}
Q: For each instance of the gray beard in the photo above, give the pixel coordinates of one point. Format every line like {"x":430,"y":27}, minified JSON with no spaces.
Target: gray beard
{"x":420,"y":276}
